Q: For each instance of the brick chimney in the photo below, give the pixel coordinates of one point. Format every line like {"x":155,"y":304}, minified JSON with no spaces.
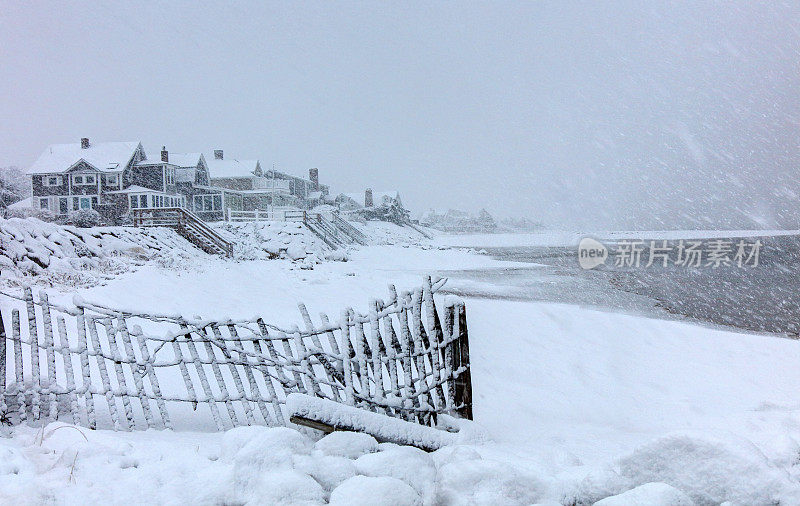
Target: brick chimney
{"x":164,"y":154}
{"x":217,"y":154}
{"x":313,"y":175}
{"x":368,"y":197}
{"x":84,"y":142}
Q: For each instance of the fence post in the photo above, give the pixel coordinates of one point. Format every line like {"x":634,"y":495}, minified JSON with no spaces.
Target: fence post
{"x":463,"y":381}
{"x":2,"y":367}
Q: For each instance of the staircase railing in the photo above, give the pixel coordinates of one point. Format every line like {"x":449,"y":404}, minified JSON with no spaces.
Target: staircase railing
{"x":318,"y":225}
{"x":182,"y":220}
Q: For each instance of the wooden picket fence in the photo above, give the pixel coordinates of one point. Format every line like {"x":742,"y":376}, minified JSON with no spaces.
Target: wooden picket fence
{"x":101,"y":367}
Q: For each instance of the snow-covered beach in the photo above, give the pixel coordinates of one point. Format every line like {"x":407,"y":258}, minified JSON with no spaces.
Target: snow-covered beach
{"x":572,"y":404}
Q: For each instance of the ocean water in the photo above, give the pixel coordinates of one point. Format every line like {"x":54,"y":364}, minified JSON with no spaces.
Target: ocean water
{"x":762,"y":298}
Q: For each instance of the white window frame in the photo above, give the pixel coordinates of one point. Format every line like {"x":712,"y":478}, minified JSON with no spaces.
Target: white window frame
{"x":83,"y":179}
{"x":46,"y":202}
{"x":111,"y":179}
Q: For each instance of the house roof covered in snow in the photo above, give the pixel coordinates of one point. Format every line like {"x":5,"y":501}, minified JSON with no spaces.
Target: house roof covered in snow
{"x":185,"y":159}
{"x":104,"y":156}
{"x":231,"y":168}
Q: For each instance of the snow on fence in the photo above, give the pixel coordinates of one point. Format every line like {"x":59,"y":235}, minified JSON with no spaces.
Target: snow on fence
{"x":102,"y":367}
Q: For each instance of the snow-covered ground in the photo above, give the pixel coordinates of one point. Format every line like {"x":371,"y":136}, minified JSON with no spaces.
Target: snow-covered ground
{"x":572,"y":406}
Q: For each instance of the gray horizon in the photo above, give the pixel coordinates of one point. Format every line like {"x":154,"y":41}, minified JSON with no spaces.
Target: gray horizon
{"x":579,"y":115}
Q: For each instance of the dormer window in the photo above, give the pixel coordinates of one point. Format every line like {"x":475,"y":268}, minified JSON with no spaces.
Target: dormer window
{"x":111,"y":179}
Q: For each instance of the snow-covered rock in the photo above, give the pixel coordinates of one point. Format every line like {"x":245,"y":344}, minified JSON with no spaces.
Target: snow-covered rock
{"x":649,"y":494}
{"x":374,"y":491}
{"x":274,"y":239}
{"x":347,"y":444}
{"x":66,"y":255}
{"x":411,"y":465}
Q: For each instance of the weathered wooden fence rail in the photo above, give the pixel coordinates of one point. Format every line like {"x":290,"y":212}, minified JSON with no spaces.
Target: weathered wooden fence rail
{"x":103,"y":367}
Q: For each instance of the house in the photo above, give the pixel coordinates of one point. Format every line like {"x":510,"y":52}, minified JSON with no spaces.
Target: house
{"x":309,"y":191}
{"x":111,"y":178}
{"x":261,"y":190}
{"x":356,"y":201}
{"x":114,"y":178}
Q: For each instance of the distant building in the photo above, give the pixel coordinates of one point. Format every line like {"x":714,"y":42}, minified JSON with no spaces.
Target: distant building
{"x":117,"y":177}
{"x":370,"y":198}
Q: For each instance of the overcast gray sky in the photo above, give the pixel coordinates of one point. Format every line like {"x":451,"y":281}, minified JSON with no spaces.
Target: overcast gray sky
{"x":578,"y":114}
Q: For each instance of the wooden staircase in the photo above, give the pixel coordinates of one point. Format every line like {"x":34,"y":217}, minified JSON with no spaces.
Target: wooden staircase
{"x":330,"y":234}
{"x":349,"y":230}
{"x":188,"y":225}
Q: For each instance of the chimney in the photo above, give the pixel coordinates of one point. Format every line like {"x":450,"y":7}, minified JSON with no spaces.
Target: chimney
{"x":164,"y":154}
{"x":217,"y":154}
{"x":313,"y":175}
{"x":368,"y":197}
{"x":84,"y":142}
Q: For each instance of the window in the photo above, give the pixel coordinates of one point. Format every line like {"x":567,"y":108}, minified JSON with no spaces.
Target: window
{"x":134,"y":201}
{"x":51,"y":180}
{"x":86,"y":203}
{"x":94,"y":202}
{"x":84,"y":179}
{"x":143,"y":201}
{"x":63,"y":205}
{"x":217,"y":202}
{"x":75,"y":203}
{"x":44,"y":203}
{"x":111,"y":179}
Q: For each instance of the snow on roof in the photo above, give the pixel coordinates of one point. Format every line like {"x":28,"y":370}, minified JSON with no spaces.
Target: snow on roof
{"x":104,"y":156}
{"x":154,"y":162}
{"x":185,"y":159}
{"x":135,"y":189}
{"x":25,"y":203}
{"x":315,"y":195}
{"x":230,"y":168}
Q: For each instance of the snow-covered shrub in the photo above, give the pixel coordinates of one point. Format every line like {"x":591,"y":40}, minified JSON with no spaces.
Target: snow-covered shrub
{"x":85,"y":218}
{"x":391,"y":211}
